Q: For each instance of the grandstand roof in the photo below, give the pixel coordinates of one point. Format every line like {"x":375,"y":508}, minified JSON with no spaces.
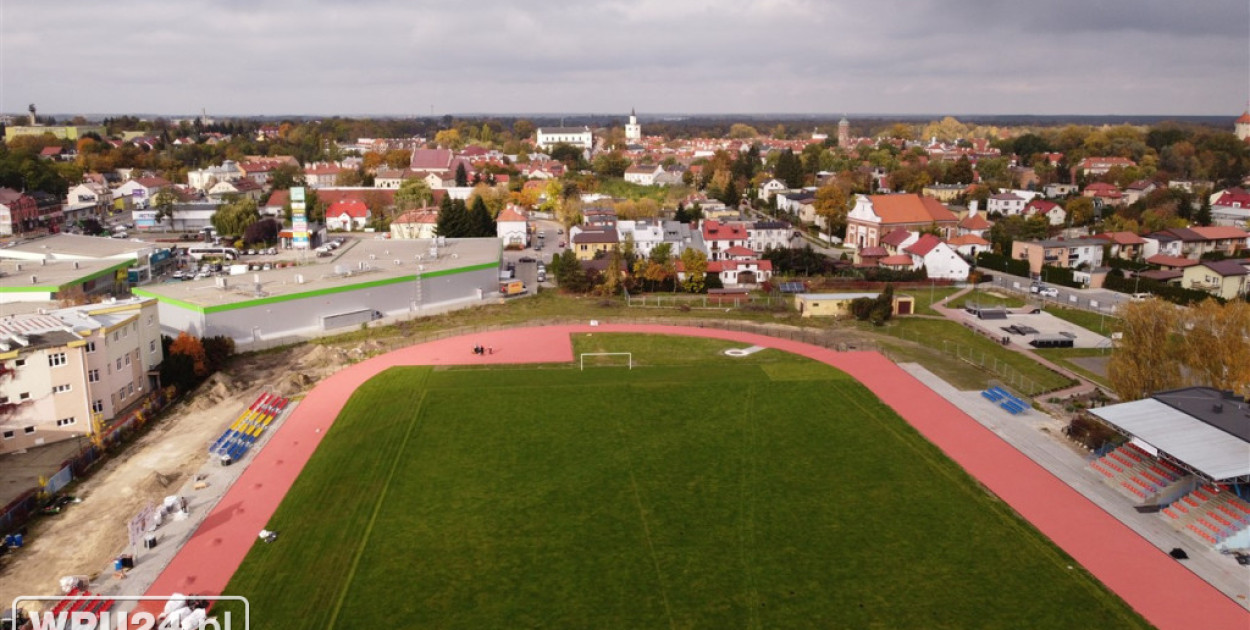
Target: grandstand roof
{"x":1211,"y":450}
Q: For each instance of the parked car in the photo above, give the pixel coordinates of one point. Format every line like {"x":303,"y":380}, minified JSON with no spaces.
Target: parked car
{"x":1050,"y":292}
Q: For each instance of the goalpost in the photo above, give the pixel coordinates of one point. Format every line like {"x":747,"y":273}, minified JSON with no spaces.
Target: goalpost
{"x":629,"y":355}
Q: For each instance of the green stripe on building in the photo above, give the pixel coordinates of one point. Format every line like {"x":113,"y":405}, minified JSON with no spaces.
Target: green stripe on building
{"x":276,"y":299}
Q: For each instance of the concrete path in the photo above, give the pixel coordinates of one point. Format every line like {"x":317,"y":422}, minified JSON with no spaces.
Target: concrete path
{"x":1037,"y":436}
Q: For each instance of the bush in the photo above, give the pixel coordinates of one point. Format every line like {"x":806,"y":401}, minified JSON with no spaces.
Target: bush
{"x":1005,"y":264}
{"x":1178,"y":295}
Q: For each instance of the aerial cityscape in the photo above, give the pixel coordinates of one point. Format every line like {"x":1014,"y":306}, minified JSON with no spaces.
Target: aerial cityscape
{"x":601,"y":314}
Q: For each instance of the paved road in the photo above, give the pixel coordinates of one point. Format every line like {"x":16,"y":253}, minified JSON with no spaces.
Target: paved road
{"x":1100,"y":300}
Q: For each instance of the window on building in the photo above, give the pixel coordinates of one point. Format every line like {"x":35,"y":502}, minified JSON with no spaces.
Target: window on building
{"x":119,"y":363}
{"x":90,"y":347}
{"x":152,"y":346}
{"x":65,"y":421}
{"x":19,"y":363}
{"x":97,"y":406}
{"x":128,"y":359}
{"x":8,"y":435}
{"x":57,"y":359}
{"x":23,"y":396}
{"x":130,"y":389}
{"x":93,"y":376}
{"x":28,"y":430}
{"x":60,"y":389}
{"x":114,"y":335}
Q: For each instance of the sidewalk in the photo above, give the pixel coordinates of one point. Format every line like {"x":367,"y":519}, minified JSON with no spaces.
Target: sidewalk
{"x":1038,"y":436}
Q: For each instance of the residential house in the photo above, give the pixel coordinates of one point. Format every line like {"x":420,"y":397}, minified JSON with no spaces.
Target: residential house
{"x":390,"y":177}
{"x":512,"y":228}
{"x":599,"y":216}
{"x":1196,"y":241}
{"x":1138,"y":190}
{"x":1101,"y":165}
{"x":945,"y":193}
{"x":719,"y":237}
{"x":1054,"y":213}
{"x":1104,"y":194}
{"x":1123,"y":245}
{"x":1226,"y":279}
{"x":205,"y":178}
{"x":643,"y":175}
{"x":770,"y":188}
{"x":969,"y":245}
{"x":74,"y":369}
{"x":347,"y":214}
{"x":414,"y":224}
{"x":431,"y":161}
{"x":1081,"y":253}
{"x":798,"y":202}
{"x":138,"y":193}
{"x":241,"y":188}
{"x":1055,"y":191}
{"x":740,"y":273}
{"x":876,"y":215}
{"x":763,"y":236}
{"x":648,"y":233}
{"x":974,"y":223}
{"x":1231,"y":207}
{"x":939,"y":260}
{"x":18,"y":212}
{"x":322,"y":174}
{"x":588,"y":242}
{"x":87,"y":199}
{"x":1009,"y":202}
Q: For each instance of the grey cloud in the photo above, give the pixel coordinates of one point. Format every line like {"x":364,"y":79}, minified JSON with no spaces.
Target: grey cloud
{"x":388,"y":56}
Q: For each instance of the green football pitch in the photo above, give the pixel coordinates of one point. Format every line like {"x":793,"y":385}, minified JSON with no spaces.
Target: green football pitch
{"x":694,"y":491}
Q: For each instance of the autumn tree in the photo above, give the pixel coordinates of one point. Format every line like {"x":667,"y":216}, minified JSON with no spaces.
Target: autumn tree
{"x":694,"y":264}
{"x":831,"y":205}
{"x":740,"y":131}
{"x":450,"y":138}
{"x":189,"y":346}
{"x":1216,"y":353}
{"x":1146,"y":357}
{"x":164,"y":202}
{"x":1080,"y":210}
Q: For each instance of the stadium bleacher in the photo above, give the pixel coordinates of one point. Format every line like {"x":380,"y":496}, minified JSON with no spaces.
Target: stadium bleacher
{"x":1003,"y":398}
{"x":1210,"y":514}
{"x":1135,"y":472}
{"x":249,"y":426}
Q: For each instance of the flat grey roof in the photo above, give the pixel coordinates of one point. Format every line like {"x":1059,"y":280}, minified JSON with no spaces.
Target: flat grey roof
{"x":1215,"y":453}
{"x":52,"y":274}
{"x":78,"y":247}
{"x":359,"y":261}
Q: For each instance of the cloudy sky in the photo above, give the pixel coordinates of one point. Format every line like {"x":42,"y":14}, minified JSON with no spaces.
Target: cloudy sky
{"x":318,"y":57}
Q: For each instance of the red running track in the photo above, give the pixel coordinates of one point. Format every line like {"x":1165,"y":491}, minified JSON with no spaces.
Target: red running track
{"x":1162,"y":590}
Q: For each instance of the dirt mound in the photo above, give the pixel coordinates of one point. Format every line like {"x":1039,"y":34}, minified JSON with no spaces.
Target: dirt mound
{"x":294,"y":384}
{"x":217,"y":388}
{"x":158,"y":482}
{"x":324,"y":357}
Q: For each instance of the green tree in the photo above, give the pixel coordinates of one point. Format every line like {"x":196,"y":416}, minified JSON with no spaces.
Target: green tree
{"x":454,"y":221}
{"x":1203,"y":215}
{"x":462,"y":176}
{"x":482,"y":225}
{"x":960,"y":172}
{"x":413,"y":193}
{"x":611,"y":164}
{"x":164,"y":202}
{"x":789,"y":169}
{"x":234,"y":218}
{"x":287,"y":176}
{"x":742,"y":131}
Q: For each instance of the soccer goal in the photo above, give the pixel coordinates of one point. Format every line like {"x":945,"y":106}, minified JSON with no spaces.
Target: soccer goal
{"x":595,"y":361}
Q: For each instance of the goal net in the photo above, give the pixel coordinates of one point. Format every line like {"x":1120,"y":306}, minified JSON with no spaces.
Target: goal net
{"x":607,"y":359}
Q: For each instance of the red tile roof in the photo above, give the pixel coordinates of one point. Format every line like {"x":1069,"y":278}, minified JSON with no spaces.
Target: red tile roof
{"x":897,"y":260}
{"x":975,"y":222}
{"x":510,"y":214}
{"x":924,"y":244}
{"x":717,"y":231}
{"x":1121,"y":238}
{"x":901,"y":209}
{"x":895,"y":237}
{"x":1164,"y":260}
{"x":739,"y":251}
{"x":420,"y":215}
{"x":966,"y":239}
{"x":431,"y":159}
{"x":351,"y":207}
{"x":1216,"y":232}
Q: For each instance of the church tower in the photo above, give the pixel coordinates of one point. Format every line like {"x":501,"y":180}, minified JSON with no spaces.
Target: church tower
{"x":844,"y":133}
{"x":633,"y":131}
{"x":1242,"y":126}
